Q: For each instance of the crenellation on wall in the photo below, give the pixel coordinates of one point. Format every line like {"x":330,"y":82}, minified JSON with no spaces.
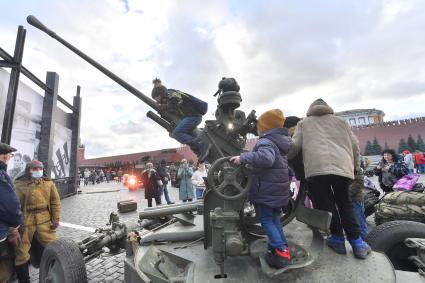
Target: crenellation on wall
{"x":390,"y":132}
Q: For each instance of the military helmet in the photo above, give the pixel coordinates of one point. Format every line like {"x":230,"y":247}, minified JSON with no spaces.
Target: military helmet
{"x":36,"y":164}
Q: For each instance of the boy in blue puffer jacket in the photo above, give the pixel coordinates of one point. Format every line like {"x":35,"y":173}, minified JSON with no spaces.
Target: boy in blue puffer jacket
{"x":270,"y":187}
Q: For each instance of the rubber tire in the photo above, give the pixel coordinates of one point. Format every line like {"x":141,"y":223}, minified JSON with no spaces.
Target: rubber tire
{"x":67,"y":253}
{"x":386,"y":237}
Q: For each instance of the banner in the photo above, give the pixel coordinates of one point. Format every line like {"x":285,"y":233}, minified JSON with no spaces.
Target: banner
{"x":26,"y":124}
{"x":61,"y":152}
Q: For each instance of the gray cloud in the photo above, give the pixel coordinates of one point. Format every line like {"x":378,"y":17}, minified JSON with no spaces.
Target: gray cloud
{"x":353,"y":54}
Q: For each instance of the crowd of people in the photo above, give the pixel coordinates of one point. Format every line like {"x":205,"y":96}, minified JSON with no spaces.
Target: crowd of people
{"x":98,"y":175}
{"x":30,"y":210}
{"x":189,"y":181}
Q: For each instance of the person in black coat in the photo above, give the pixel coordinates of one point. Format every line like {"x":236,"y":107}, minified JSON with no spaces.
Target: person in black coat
{"x":151,"y":181}
{"x":390,"y":169}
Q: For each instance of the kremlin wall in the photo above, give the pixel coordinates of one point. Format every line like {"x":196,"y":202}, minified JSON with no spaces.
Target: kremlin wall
{"x":386,"y":132}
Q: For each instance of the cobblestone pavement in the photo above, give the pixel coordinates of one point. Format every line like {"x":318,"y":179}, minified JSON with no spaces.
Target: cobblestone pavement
{"x":91,"y":209}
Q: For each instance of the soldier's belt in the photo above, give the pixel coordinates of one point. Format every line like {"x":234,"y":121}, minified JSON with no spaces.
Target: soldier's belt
{"x":37,"y":210}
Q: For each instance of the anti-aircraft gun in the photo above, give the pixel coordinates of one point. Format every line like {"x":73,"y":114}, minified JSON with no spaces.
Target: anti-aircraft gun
{"x":217,"y":239}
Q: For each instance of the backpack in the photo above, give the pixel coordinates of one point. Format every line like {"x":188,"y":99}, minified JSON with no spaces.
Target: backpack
{"x":200,"y":106}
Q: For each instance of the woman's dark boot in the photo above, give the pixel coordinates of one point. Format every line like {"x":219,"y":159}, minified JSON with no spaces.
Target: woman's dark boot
{"x":22,"y":272}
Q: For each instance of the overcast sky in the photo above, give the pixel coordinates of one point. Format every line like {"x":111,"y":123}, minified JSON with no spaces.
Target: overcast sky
{"x":284,"y":54}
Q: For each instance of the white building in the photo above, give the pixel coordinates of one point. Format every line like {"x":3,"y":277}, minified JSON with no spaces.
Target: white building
{"x":357,"y":117}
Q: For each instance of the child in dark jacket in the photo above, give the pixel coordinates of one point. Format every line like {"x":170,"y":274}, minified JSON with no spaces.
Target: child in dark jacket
{"x":270,"y":187}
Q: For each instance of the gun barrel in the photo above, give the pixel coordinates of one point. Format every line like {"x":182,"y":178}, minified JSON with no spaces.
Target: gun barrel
{"x":169,"y":210}
{"x":36,"y":23}
{"x":162,"y":122}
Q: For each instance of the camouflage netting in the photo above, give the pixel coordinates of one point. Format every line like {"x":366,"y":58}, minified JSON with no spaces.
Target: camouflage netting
{"x":401,"y":206}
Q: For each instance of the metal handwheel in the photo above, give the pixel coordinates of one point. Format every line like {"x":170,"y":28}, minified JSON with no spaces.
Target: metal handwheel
{"x":228,"y":180}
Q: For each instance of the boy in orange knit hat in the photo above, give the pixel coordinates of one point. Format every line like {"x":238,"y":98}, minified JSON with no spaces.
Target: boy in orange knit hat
{"x":270,"y":187}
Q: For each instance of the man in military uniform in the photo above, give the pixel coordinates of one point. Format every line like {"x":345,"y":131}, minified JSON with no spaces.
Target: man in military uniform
{"x":190,"y":109}
{"x":10,"y":215}
{"x":41,"y":208}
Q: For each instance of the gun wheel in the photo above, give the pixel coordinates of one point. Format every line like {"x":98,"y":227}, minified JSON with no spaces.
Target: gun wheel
{"x":62,"y":262}
{"x":228,"y":180}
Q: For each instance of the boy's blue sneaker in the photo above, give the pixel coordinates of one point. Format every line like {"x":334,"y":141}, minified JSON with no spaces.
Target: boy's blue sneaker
{"x":337,"y":243}
{"x":360,"y":248}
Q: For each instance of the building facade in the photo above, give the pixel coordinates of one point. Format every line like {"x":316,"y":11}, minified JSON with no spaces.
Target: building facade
{"x":360,"y":117}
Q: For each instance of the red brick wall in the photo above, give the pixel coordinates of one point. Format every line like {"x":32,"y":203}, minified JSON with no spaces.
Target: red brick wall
{"x":390,"y":132}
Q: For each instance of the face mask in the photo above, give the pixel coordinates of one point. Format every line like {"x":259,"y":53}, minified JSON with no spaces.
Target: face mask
{"x":37,"y":174}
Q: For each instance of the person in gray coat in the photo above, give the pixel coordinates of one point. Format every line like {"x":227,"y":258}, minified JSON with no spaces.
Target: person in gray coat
{"x":184,"y":176}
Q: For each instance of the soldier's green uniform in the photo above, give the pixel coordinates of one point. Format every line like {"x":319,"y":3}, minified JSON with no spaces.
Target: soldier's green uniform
{"x":41,"y":204}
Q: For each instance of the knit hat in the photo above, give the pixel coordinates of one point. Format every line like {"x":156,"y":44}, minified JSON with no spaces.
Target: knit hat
{"x":158,"y":88}
{"x":36,"y":164}
{"x":269,"y":120}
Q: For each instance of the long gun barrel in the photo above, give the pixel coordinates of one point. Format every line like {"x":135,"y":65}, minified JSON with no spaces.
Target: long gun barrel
{"x":167,"y":116}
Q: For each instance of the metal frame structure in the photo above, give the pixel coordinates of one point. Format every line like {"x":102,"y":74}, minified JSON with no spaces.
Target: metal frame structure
{"x":67,"y":186}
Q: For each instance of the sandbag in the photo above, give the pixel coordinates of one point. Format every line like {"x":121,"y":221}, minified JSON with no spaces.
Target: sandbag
{"x":401,"y":198}
{"x":401,"y":206}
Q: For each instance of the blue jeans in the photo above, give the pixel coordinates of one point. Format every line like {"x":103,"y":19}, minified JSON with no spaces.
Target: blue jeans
{"x":164,"y":190}
{"x":361,"y":218}
{"x":183,"y":131}
{"x":270,"y":221}
{"x":421,"y":168}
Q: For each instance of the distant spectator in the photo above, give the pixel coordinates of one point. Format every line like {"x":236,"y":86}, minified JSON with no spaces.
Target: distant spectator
{"x":184,"y":176}
{"x":119,"y":175}
{"x":165,"y":177}
{"x":151,"y":181}
{"x":79,"y":176}
{"x":172,"y":170}
{"x":390,"y":169}
{"x":420,"y":162}
{"x":198,"y":180}
{"x":101,"y":176}
{"x":86,"y":175}
{"x":408,"y":159}
{"x":108,"y":176}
